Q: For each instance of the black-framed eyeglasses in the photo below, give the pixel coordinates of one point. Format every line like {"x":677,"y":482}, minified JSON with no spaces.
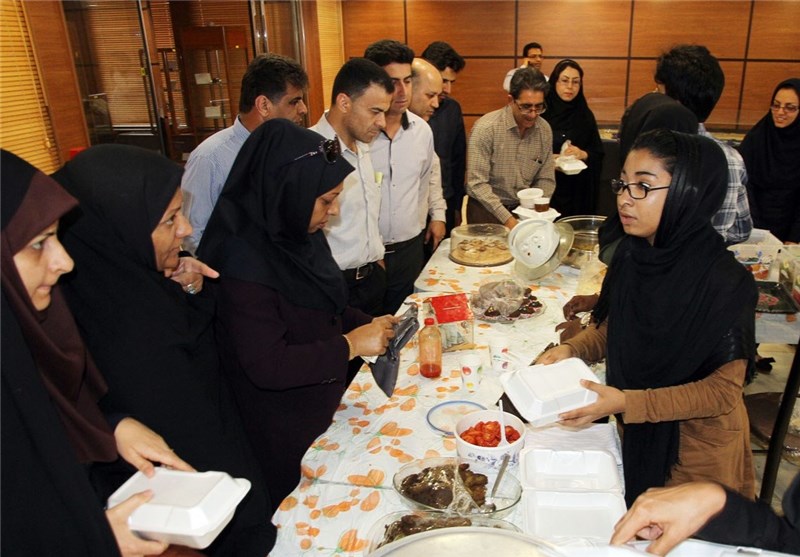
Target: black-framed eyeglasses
{"x":789,"y":108}
{"x":526,"y":108}
{"x":328,"y":148}
{"x":637,"y":190}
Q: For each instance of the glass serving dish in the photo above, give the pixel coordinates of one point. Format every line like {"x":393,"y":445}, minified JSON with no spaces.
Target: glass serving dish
{"x":432,"y":488}
{"x":586,"y":241}
{"x":480,"y":245}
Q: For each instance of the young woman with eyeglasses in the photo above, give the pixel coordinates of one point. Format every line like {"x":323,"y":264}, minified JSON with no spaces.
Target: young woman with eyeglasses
{"x":675,"y":322}
{"x":771,"y":152}
{"x":285,"y":330}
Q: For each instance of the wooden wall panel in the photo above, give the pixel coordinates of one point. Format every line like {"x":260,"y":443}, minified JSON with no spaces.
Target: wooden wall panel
{"x":366,"y":21}
{"x":479,"y":88}
{"x":604,"y":88}
{"x":469,"y":121}
{"x":759,"y":83}
{"x":473,"y":28}
{"x":775,"y":31}
{"x":622,"y":40}
{"x":720,"y":25}
{"x":54,"y":55}
{"x":727,"y":109}
{"x":640,"y":79}
{"x":575,"y":28}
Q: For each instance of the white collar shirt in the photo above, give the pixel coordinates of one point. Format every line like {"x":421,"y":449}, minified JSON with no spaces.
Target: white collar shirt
{"x":411,"y":186}
{"x":353,"y":234}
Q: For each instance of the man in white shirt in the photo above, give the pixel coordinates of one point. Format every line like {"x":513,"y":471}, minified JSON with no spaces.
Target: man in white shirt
{"x":411,"y":188}
{"x":272,"y":87}
{"x":362,"y":93}
{"x":532,"y":57}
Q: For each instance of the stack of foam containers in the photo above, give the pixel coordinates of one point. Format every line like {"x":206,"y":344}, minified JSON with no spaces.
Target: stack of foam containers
{"x":570,"y":496}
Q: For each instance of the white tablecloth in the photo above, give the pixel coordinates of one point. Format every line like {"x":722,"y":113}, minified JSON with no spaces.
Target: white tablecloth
{"x":348,"y":471}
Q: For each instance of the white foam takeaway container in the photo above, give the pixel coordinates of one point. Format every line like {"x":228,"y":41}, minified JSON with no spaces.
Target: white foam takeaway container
{"x":187,"y":508}
{"x":569,"y":470}
{"x":542,"y":392}
{"x":561,"y":515}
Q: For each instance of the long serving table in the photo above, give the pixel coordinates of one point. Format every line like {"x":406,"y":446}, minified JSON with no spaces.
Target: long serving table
{"x":347,"y":473}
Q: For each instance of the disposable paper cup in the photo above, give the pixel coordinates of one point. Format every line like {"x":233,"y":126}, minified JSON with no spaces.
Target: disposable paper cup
{"x":499,"y":352}
{"x":528,"y":196}
{"x":470,"y":371}
{"x":541,"y":204}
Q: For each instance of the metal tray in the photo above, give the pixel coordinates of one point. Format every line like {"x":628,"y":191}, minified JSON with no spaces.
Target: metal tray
{"x":468,"y":542}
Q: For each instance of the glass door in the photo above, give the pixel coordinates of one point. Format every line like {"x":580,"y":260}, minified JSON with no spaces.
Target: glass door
{"x":114,"y":55}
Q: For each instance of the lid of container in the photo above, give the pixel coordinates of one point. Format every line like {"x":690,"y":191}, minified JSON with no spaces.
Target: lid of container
{"x":541,"y":392}
{"x":429,"y":321}
{"x":184,"y":503}
{"x":533,"y":241}
{"x":497,"y":230}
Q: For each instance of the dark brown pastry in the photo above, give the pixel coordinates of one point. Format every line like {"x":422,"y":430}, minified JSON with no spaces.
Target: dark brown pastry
{"x":433,"y":486}
{"x":414,"y":524}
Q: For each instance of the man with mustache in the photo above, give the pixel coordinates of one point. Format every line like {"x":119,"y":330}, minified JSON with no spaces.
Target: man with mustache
{"x":510,"y":150}
{"x":362,"y":93}
{"x":272,"y":87}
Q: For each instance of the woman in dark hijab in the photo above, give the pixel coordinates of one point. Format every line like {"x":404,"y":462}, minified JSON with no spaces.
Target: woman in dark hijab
{"x":572,"y":120}
{"x":282,"y":301}
{"x":52,"y":428}
{"x":677,"y":319}
{"x":771,"y":152}
{"x":154,"y":341}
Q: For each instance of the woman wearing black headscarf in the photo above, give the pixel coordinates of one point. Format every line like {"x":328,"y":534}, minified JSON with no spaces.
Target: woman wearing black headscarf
{"x":52,"y":428}
{"x":571,"y":119}
{"x":677,"y":319}
{"x":771,"y":152}
{"x":153,"y":341}
{"x":281,"y":301}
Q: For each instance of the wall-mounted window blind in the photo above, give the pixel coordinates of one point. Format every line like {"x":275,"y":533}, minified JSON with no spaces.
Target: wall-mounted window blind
{"x":331,"y":45}
{"x":25,"y":127}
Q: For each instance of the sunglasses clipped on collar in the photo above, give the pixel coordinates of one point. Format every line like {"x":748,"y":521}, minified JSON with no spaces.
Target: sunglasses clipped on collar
{"x":328,"y":148}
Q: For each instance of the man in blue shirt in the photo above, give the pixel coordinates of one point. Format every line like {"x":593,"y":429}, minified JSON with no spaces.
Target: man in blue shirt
{"x":272,"y":87}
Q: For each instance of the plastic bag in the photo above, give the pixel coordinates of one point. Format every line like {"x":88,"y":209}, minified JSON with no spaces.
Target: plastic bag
{"x":564,"y":146}
{"x":503,"y":296}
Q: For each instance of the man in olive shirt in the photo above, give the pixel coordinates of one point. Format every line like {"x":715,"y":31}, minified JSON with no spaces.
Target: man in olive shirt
{"x":510,"y":149}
